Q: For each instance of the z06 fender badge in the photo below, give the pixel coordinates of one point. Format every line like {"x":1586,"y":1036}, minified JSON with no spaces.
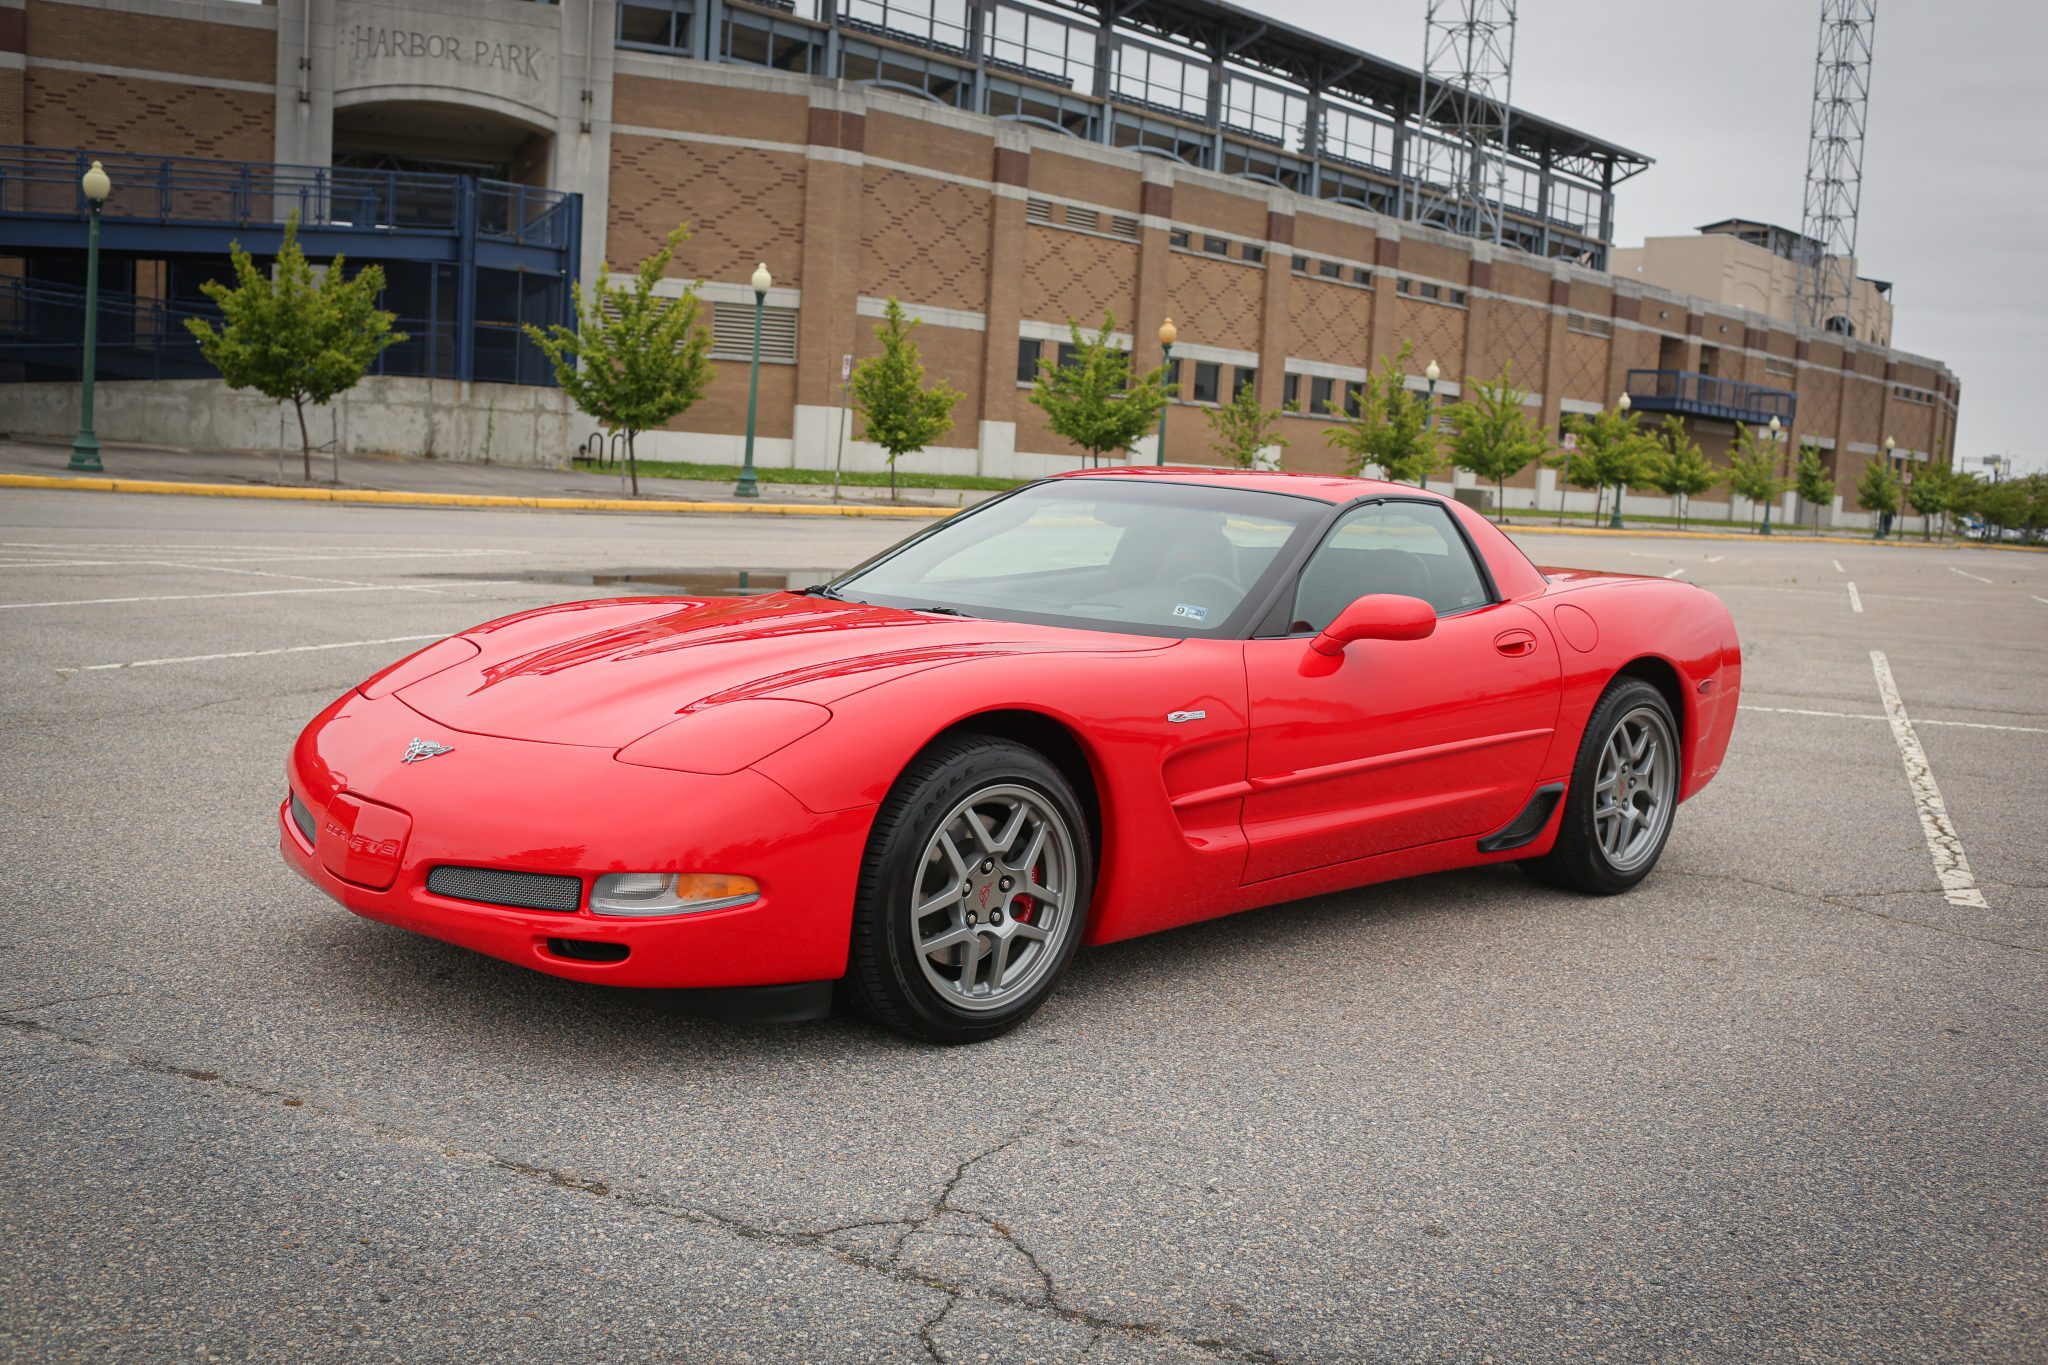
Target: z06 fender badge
{"x":422,"y":749}
{"x":1182,"y":717}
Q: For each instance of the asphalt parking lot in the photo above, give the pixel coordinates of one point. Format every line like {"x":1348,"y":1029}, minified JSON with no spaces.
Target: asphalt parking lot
{"x":1785,"y":1100}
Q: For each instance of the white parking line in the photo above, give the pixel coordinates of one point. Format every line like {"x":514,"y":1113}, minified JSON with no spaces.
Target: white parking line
{"x":251,"y":653}
{"x":187,"y":597}
{"x":1967,"y":574}
{"x":1715,"y":559}
{"x":1951,"y":864}
{"x":1838,"y":566}
{"x":1675,"y":573}
{"x":2042,"y":600}
{"x":1855,"y":600}
{"x":1871,"y":715}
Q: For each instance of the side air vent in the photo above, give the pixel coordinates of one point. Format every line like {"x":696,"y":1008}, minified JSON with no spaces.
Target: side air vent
{"x":1524,"y":828}
{"x":519,"y":890}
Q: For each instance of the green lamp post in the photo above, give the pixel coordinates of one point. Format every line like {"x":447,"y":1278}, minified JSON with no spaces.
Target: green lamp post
{"x":1168,"y":334}
{"x":1776,"y":427}
{"x":85,"y":448}
{"x":1622,"y":404}
{"x":748,"y":486}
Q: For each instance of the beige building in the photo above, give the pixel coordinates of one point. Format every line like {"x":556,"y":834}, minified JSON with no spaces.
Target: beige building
{"x":1752,"y":266}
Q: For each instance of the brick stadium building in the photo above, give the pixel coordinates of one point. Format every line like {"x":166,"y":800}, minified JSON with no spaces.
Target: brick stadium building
{"x":1000,"y":166}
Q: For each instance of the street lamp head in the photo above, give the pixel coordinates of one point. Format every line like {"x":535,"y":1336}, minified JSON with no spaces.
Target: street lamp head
{"x":1433,"y":373}
{"x":1890,"y":445}
{"x":1625,"y":402}
{"x":1168,"y":333}
{"x":762,"y":279}
{"x":1776,"y":427}
{"x":96,"y":185}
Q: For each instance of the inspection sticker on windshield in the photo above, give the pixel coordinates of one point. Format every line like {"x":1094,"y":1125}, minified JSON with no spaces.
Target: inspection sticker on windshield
{"x":1192,"y":613}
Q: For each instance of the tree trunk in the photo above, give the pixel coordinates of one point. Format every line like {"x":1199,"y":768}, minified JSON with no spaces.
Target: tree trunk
{"x":1500,"y":500}
{"x":305,"y":441}
{"x":632,"y":463}
{"x":892,"y":478}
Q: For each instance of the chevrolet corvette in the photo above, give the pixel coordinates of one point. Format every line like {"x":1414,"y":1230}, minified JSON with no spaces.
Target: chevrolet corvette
{"x":1102,"y":705}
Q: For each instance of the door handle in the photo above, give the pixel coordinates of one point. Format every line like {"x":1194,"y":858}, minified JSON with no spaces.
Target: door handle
{"x":1515,"y":644}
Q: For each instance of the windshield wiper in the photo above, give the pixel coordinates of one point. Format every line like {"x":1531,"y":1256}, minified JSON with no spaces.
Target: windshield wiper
{"x":941,"y":611}
{"x":821,"y":590}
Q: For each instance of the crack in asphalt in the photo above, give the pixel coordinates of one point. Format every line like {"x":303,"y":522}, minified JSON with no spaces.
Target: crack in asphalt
{"x":1839,"y":903}
{"x":1047,"y":1300}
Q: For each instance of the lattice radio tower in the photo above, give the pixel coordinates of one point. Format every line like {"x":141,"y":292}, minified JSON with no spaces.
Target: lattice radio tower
{"x":1457,"y":172}
{"x":1834,"y":162}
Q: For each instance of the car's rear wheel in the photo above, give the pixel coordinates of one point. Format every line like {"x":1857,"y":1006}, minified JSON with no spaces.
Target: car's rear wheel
{"x":1624,"y":792}
{"x":973,"y":893}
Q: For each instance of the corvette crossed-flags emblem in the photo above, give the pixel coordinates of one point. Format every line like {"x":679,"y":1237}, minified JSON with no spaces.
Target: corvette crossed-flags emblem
{"x":422,"y":749}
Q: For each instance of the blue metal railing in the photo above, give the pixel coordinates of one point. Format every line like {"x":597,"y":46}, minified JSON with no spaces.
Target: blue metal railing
{"x":194,"y":191}
{"x":1693,"y":394}
{"x":42,"y":331}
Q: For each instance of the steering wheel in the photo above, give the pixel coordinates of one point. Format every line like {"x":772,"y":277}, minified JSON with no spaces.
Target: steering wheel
{"x":1231,"y":590}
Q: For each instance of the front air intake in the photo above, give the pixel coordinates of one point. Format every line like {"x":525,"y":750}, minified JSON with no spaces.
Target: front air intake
{"x":587,"y":950}
{"x":518,"y":890}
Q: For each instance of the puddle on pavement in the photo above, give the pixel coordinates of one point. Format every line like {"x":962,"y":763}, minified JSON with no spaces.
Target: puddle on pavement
{"x":709,"y":582}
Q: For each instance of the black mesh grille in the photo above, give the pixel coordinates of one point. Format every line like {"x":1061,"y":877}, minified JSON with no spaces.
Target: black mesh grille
{"x":303,"y":818}
{"x":522,"y":890}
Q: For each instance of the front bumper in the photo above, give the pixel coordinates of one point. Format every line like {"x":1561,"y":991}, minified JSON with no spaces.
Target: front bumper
{"x":570,"y":810}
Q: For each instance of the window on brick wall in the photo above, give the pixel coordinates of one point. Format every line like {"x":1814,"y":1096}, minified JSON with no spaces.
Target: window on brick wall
{"x":1179,"y":238}
{"x":1330,"y":270}
{"x":656,"y":25}
{"x":1027,"y":359}
{"x":1254,"y":255}
{"x":1320,"y":392}
{"x":1173,"y":379}
{"x":1290,"y":390}
{"x":1208,"y":381}
{"x":1216,"y":246}
{"x":1242,"y":378}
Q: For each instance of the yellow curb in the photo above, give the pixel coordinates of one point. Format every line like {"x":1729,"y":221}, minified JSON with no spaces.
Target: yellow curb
{"x":396,"y":499}
{"x":1775,"y":537}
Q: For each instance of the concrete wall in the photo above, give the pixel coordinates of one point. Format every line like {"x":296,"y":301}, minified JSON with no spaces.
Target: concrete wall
{"x":437,"y":419}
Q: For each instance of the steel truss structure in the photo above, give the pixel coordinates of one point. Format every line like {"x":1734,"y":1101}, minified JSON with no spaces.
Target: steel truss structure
{"x":1202,"y":82}
{"x":1468,"y":69}
{"x":1834,"y":163}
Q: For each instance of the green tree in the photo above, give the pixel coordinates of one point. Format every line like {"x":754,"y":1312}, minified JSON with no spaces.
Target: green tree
{"x":1392,"y":429}
{"x":636,"y":360}
{"x":1930,"y":493}
{"x":1240,"y":429}
{"x":1679,"y":468}
{"x":1493,"y":435}
{"x":1877,"y":490}
{"x":1093,"y":400}
{"x":1812,"y":481}
{"x":1753,"y":470}
{"x":1613,"y":452}
{"x":292,"y":337}
{"x":902,"y":414}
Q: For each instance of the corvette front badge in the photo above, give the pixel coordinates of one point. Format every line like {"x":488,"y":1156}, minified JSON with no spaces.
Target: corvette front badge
{"x":422,"y":749}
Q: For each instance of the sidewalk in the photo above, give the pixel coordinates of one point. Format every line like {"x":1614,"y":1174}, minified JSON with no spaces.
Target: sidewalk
{"x":389,"y":475}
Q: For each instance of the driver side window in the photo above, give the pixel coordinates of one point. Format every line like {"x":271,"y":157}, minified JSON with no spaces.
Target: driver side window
{"x":1409,"y":548}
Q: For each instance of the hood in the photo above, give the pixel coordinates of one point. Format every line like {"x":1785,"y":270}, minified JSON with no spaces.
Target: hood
{"x":605,"y":673}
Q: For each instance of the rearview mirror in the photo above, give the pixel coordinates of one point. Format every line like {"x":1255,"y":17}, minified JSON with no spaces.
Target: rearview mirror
{"x":1377,"y":616}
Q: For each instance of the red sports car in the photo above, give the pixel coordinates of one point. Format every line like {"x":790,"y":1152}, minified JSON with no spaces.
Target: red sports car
{"x":1099,"y":706}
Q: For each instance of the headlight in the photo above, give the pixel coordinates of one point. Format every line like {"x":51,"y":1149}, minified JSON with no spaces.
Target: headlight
{"x":670,"y":893}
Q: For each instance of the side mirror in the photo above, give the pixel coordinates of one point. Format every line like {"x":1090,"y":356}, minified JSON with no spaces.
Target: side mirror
{"x":1377,"y":616}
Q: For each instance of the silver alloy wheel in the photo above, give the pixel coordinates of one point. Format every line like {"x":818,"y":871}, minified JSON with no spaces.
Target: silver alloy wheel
{"x":1002,"y":853}
{"x":1635,"y":789}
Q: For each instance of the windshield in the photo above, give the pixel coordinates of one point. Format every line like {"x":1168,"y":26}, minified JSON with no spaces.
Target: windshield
{"x":1140,"y":556}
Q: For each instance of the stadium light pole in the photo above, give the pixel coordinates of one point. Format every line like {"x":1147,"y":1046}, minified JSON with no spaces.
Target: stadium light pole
{"x":85,"y":447}
{"x":1623,"y":404}
{"x":1168,"y":334}
{"x":748,"y":486}
{"x":1891,"y":461}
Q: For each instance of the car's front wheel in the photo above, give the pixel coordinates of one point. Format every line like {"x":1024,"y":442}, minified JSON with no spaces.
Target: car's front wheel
{"x":1624,"y":792}
{"x":973,"y":894}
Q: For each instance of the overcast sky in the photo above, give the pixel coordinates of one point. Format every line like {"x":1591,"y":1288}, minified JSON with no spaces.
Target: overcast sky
{"x":1955,"y":183}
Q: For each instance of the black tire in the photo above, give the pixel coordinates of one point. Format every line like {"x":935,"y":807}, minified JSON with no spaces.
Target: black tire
{"x":886,"y":977}
{"x":1578,"y":861}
